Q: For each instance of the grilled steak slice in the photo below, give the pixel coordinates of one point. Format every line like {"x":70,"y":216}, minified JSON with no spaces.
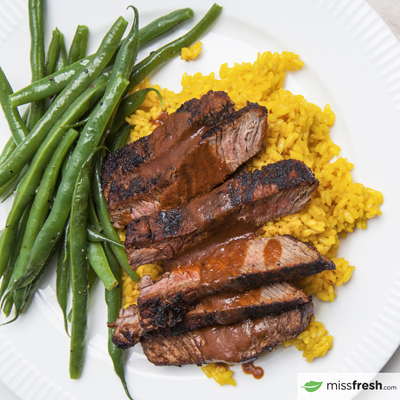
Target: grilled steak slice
{"x":211,"y":108}
{"x":127,"y":328}
{"x":248,"y":199}
{"x":237,"y":343}
{"x":220,"y":309}
{"x":194,"y":166}
{"x":235,"y":265}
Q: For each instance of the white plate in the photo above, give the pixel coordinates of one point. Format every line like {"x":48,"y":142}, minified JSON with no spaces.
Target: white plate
{"x":352,"y":62}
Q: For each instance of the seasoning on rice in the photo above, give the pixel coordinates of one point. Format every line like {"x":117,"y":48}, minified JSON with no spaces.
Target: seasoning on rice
{"x":297,"y":129}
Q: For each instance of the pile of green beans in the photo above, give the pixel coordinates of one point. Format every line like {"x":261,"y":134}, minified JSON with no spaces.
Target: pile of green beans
{"x":77,"y":108}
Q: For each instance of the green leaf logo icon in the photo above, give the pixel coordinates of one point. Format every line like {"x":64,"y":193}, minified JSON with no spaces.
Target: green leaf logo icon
{"x":312,"y":386}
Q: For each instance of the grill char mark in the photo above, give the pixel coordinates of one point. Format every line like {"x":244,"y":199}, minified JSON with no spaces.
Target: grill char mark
{"x":219,"y":309}
{"x":237,"y":343}
{"x":195,"y":166}
{"x":247,"y":200}
{"x":211,"y":108}
{"x":243,"y":264}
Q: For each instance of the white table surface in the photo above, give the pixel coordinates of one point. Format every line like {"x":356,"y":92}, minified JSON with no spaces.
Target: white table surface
{"x":389,"y":10}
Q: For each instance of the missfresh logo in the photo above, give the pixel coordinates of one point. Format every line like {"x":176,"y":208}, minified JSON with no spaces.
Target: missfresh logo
{"x":312,"y":386}
{"x":344,"y":386}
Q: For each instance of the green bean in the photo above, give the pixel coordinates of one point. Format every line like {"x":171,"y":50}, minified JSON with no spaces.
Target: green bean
{"x":99,"y":263}
{"x":7,"y":305}
{"x":163,"y":24}
{"x":17,"y":126}
{"x":25,"y":115}
{"x":130,"y":104}
{"x":79,"y":123}
{"x":42,"y":202}
{"x":77,"y":50}
{"x":11,"y":145}
{"x":85,"y":147}
{"x":95,"y":237}
{"x":18,"y":130}
{"x":6,"y":278}
{"x":127,"y":53}
{"x":126,"y":108}
{"x":36,"y":27}
{"x":7,"y":302}
{"x":79,"y":270}
{"x":63,"y":276}
{"x":8,"y":188}
{"x":87,"y":143}
{"x":114,"y":302}
{"x":23,"y":298}
{"x":40,"y":207}
{"x":8,"y":149}
{"x":170,"y":50}
{"x":15,"y":251}
{"x":108,"y":229}
{"x":120,"y":139}
{"x":92,"y":279}
{"x":66,"y":159}
{"x":50,"y":85}
{"x":52,"y":53}
{"x":31,"y":180}
{"x":39,"y":211}
{"x":53,"y":84}
{"x":126,"y":57}
{"x":81,"y":81}
{"x":93,"y":218}
{"x":62,"y":60}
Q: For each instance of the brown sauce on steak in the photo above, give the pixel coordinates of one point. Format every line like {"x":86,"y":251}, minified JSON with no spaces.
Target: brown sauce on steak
{"x":232,"y":239}
{"x":216,"y":259}
{"x":232,"y":300}
{"x":247,"y":199}
{"x":213,"y":267}
{"x":163,"y":303}
{"x":161,"y":118}
{"x":209,"y":331}
{"x":251,"y":369}
{"x":236,"y":343}
{"x":192,"y":165}
{"x":117,"y":168}
{"x":226,"y":342}
{"x":219,"y":309}
{"x":272,"y":251}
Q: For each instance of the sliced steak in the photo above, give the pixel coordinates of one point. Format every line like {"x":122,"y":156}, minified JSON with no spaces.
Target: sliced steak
{"x":237,"y":343}
{"x":127,"y":329}
{"x":235,"y":265}
{"x":210,"y":109}
{"x":248,"y":199}
{"x":193,"y":167}
{"x":219,"y":309}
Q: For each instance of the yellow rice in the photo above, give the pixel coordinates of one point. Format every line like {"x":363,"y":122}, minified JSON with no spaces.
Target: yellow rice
{"x":313,"y":342}
{"x":220,"y":373}
{"x":297,"y":129}
{"x":190,"y":53}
